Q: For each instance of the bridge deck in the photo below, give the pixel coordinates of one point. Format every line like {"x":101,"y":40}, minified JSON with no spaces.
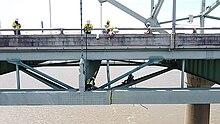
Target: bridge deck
{"x":121,"y":46}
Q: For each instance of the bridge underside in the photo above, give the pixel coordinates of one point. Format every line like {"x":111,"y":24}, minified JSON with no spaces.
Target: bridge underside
{"x":121,"y":94}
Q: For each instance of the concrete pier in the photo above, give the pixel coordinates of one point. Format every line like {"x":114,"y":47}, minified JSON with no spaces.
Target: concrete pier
{"x":198,"y":113}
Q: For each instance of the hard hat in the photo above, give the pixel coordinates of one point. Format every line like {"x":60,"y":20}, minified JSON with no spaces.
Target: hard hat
{"x":16,"y":19}
{"x":108,"y":21}
{"x":148,"y":23}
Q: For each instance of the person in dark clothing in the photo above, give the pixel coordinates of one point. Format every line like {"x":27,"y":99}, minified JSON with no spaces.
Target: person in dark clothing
{"x":16,"y":25}
{"x":129,"y":79}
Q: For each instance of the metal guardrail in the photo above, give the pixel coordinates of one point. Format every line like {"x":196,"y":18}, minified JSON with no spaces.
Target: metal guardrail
{"x":61,"y":30}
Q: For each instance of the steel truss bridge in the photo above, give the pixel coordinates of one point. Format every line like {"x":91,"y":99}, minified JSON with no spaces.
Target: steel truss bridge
{"x":196,"y":54}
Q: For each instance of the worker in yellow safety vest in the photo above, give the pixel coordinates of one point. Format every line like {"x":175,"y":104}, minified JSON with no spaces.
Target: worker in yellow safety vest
{"x":88,"y":27}
{"x":149,"y":30}
{"x":90,"y":83}
{"x":107,"y":27}
{"x":16,"y":25}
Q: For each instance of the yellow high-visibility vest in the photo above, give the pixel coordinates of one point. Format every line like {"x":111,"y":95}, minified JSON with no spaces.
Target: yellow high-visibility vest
{"x":16,"y":26}
{"x":88,"y":28}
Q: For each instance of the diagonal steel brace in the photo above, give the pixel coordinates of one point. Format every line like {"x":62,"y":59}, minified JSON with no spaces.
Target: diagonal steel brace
{"x":20,"y":63}
{"x":126,"y":74}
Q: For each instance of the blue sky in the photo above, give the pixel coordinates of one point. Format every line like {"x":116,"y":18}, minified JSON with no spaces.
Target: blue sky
{"x":66,"y":13}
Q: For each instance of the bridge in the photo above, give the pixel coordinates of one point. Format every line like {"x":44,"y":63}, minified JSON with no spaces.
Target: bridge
{"x":197,"y":54}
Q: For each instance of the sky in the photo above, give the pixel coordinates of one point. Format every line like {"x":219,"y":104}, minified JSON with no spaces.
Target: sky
{"x":66,"y":13}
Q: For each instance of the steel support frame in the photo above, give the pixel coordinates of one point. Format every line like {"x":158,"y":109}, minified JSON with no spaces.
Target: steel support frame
{"x":108,"y":73}
{"x":153,"y":21}
{"x":204,"y":13}
{"x":61,"y":84}
{"x":141,"y":79}
{"x":182,"y":74}
{"x":113,"y":54}
{"x":157,"y":8}
{"x":108,"y":84}
{"x":202,"y":18}
{"x":43,"y":80}
{"x":209,"y":9}
{"x":18,"y":77}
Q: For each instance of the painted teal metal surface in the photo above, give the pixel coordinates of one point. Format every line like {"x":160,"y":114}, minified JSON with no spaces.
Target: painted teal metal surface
{"x":207,"y":69}
{"x":126,"y":74}
{"x":132,"y":96}
{"x":18,"y":62}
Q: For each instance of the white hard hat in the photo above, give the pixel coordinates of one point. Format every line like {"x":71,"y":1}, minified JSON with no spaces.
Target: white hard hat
{"x":16,"y":19}
{"x":148,"y":23}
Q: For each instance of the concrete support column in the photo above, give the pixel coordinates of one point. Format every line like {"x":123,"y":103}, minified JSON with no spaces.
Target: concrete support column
{"x":197,"y":113}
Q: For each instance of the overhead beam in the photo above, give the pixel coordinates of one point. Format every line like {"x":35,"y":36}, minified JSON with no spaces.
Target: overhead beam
{"x":181,"y":19}
{"x":209,"y":9}
{"x":157,"y":8}
{"x":127,"y":10}
{"x":212,"y":17}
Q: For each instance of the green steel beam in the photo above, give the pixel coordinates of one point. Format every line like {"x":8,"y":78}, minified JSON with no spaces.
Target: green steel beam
{"x":126,"y":74}
{"x":207,"y":69}
{"x":212,"y":17}
{"x":209,"y":9}
{"x":16,"y":61}
{"x":181,"y":19}
{"x":43,"y":80}
{"x":157,"y":8}
{"x":92,"y":68}
{"x":139,"y":80}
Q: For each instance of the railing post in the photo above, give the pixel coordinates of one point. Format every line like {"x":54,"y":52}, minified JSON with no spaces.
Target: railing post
{"x":61,"y":31}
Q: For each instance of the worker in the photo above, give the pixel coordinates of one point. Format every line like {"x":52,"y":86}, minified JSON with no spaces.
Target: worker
{"x":129,"y":79}
{"x":16,"y":25}
{"x":107,"y":27}
{"x":90,"y":84}
{"x":194,"y":31}
{"x":111,"y":31}
{"x":149,"y":31}
{"x":88,"y":27}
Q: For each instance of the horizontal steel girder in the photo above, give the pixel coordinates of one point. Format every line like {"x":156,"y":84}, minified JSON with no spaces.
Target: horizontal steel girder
{"x":110,"y":54}
{"x":121,"y":47}
{"x":160,"y":96}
